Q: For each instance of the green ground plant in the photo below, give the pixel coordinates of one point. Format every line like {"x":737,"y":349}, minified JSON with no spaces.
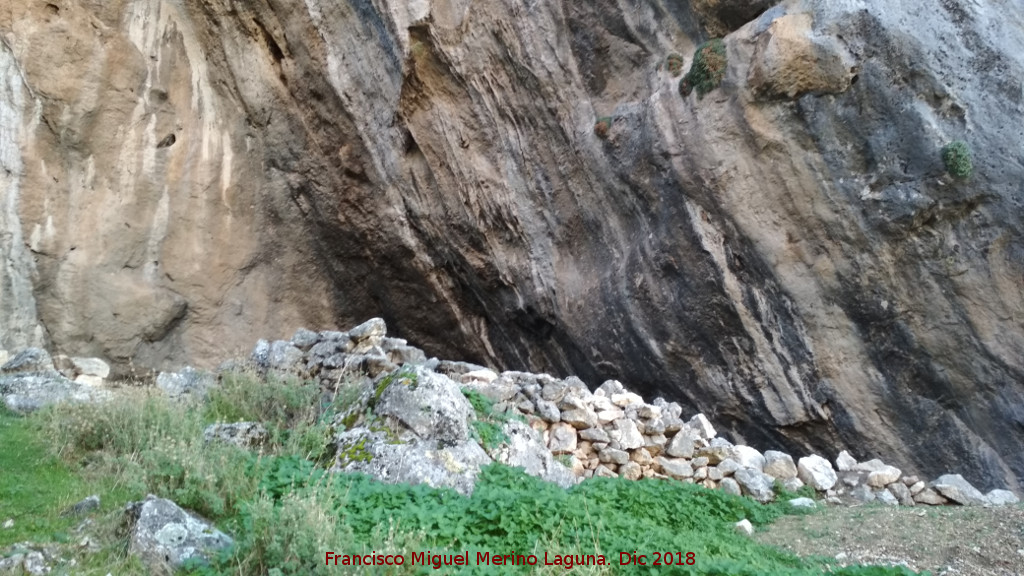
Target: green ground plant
{"x":285,"y":509}
{"x":706,"y":71}
{"x":674,"y":63}
{"x":957,"y":157}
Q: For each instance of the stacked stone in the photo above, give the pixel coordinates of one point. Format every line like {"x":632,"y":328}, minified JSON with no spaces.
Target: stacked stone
{"x":613,"y":432}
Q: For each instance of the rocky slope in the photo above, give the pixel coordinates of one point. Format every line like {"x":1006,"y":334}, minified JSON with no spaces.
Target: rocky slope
{"x":785,"y":254}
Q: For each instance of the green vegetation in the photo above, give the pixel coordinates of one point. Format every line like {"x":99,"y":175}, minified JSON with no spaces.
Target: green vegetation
{"x":285,"y":510}
{"x":674,"y":63}
{"x":707,"y":70}
{"x":957,"y":157}
{"x":489,"y":425}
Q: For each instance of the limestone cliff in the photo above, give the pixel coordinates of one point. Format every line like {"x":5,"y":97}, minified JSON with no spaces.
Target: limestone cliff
{"x":786,"y":254}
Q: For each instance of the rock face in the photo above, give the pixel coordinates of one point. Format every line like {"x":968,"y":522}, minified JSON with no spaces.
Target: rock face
{"x":165,"y":536}
{"x":786,"y":254}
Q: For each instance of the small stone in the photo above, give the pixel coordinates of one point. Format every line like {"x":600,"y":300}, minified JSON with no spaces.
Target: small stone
{"x":654,"y":426}
{"x":792,"y":484}
{"x":748,"y":457}
{"x":714,"y":474}
{"x":87,"y":380}
{"x":930,"y":497}
{"x":562,"y":438}
{"x":845,"y":462}
{"x":911,"y":480}
{"x":779,"y":464}
{"x":700,"y":461}
{"x":580,"y":419}
{"x":629,"y":436}
{"x":82,"y":507}
{"x":730,"y":486}
{"x":886,"y":497}
{"x":613,"y":456}
{"x":870,"y":465}
{"x":642,"y":457}
{"x":8,"y":524}
{"x":648,"y":412}
{"x":672,"y":424}
{"x":744,"y":527}
{"x":756,"y":484}
{"x":916,"y":488}
{"x":486,"y":375}
{"x":863,"y":494}
{"x":608,"y":416}
{"x":702,"y":427}
{"x":954,"y":487}
{"x":700,"y":473}
{"x":548,"y":411}
{"x":902,"y":493}
{"x":603,"y":471}
{"x":1002,"y":498}
{"x":803,"y":503}
{"x":610,"y":388}
{"x":884,"y":476}
{"x":625,"y":399}
{"x":631,"y":471}
{"x":728,"y":466}
{"x":675,"y":468}
{"x":241,"y":434}
{"x":594,"y":435}
{"x":719,"y":449}
{"x":851,"y":479}
{"x":304,"y":339}
{"x":655,"y":443}
{"x":816,"y":472}
{"x":681,"y":445}
{"x":372,"y":329}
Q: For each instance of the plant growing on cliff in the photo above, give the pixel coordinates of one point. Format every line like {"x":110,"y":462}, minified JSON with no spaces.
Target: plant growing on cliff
{"x":674,"y":63}
{"x":707,"y":70}
{"x":957,"y":157}
{"x":602,"y":126}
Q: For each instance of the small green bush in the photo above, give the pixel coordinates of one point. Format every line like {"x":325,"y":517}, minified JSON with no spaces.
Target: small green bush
{"x":674,"y":63}
{"x":957,"y":157}
{"x":707,"y":70}
{"x":245,"y":397}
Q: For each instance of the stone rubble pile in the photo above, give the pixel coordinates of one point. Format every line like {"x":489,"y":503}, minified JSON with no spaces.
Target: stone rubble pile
{"x":405,"y":418}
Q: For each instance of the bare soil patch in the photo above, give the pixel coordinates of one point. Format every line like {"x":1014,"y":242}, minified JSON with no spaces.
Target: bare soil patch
{"x":947,"y":540}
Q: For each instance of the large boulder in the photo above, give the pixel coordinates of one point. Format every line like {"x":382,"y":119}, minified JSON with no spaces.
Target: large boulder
{"x":165,"y":536}
{"x":817,"y":472}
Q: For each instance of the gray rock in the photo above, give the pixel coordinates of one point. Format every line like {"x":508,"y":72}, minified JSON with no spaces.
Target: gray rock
{"x":29,"y":360}
{"x":526,"y":450}
{"x":611,"y":387}
{"x":1002,"y":498}
{"x":702,"y":427}
{"x":580,"y":419}
{"x":744,"y":527}
{"x":863,"y":494}
{"x":748,"y":457}
{"x":406,"y":355}
{"x":594,"y":435}
{"x":283,"y":356}
{"x":902,"y":493}
{"x":430,"y":405}
{"x":779,"y":465}
{"x":630,"y":471}
{"x":29,"y":391}
{"x":260,"y":353}
{"x":718,"y":450}
{"x":930,"y":497}
{"x":730,"y":486}
{"x":884,"y":476}
{"x":188,"y":382}
{"x":817,"y":472}
{"x":163,"y":535}
{"x":368,"y":335}
{"x":629,"y":436}
{"x":955,"y":488}
{"x":845,"y":462}
{"x":562,"y":438}
{"x":870,"y":466}
{"x":803,"y":503}
{"x":728,"y":466}
{"x":886,"y":497}
{"x":675,"y":467}
{"x":681,"y":445}
{"x":241,"y":434}
{"x":613,"y":456}
{"x":304,"y":339}
{"x":755,"y":483}
{"x":792,"y":484}
{"x":82,"y":507}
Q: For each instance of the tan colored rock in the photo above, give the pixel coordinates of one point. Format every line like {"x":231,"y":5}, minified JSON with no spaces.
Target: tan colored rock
{"x":631,"y":471}
{"x":790,"y":60}
{"x":642,"y":457}
{"x":561,"y":438}
{"x":884,"y":476}
{"x":930,"y":497}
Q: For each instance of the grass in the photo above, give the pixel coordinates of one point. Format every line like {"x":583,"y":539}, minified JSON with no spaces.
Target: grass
{"x":286,"y":511}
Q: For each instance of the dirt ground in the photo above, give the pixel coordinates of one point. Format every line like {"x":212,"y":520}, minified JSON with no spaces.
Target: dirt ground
{"x":946,"y":540}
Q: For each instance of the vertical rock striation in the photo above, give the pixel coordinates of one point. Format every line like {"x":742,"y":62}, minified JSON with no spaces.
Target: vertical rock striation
{"x":785,"y":253}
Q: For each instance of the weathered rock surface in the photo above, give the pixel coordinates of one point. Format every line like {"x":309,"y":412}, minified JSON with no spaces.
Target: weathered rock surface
{"x":241,"y":434}
{"x":165,"y":536}
{"x":787,"y":252}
